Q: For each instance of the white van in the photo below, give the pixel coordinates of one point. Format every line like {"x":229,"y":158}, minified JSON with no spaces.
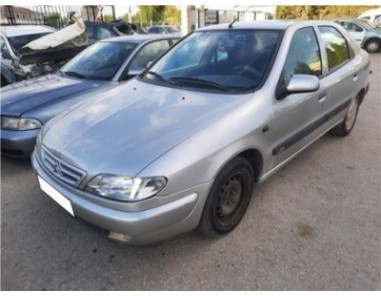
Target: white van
{"x":371,"y":15}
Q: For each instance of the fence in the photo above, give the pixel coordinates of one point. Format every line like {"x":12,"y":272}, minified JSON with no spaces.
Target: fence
{"x":52,"y":15}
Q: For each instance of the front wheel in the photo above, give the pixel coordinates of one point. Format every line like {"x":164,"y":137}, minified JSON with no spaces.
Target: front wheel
{"x":344,"y":128}
{"x":228,"y":198}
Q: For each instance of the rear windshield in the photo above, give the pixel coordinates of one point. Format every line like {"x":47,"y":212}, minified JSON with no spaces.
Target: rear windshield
{"x":226,"y":60}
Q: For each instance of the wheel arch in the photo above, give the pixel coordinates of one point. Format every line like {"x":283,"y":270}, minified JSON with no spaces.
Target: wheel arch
{"x":361,"y":95}
{"x":254,"y":157}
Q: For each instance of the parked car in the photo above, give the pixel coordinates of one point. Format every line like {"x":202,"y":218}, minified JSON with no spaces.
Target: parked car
{"x":165,"y":29}
{"x":98,"y":30}
{"x":12,"y":38}
{"x":365,"y":35}
{"x":372,"y":15}
{"x":26,"y":106}
{"x":181,"y":146}
{"x":32,"y":51}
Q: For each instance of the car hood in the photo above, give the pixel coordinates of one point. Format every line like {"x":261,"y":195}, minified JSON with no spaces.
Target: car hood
{"x":19,"y":98}
{"x":132,"y":125}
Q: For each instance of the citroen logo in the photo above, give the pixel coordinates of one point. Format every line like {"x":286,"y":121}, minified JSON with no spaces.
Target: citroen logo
{"x":57,"y":169}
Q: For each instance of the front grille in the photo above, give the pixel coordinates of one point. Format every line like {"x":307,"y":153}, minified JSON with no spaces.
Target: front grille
{"x":61,"y":170}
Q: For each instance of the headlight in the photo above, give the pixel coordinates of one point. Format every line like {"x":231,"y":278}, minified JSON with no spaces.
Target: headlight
{"x":20,"y":124}
{"x":125,"y":188}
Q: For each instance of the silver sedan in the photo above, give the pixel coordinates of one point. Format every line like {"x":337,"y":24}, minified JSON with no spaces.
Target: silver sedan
{"x":181,"y":146}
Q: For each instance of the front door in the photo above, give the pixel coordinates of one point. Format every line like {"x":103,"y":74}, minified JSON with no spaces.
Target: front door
{"x":296,"y":116}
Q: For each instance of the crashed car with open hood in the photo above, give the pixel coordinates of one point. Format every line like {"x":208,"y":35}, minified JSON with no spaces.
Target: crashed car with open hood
{"x":23,"y":59}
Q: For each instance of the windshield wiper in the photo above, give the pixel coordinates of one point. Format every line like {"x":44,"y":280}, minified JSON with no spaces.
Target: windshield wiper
{"x":200,"y":82}
{"x":159,"y":77}
{"x":74,"y":74}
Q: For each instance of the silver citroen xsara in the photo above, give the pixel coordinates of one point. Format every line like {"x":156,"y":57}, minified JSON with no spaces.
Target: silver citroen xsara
{"x":181,"y":146}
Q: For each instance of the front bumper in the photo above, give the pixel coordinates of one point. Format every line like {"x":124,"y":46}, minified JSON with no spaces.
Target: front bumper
{"x":18,"y":143}
{"x":180,"y":215}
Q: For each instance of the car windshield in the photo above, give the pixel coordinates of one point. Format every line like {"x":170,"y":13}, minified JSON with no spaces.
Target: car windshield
{"x":101,"y":61}
{"x":225,"y":60}
{"x":19,"y":41}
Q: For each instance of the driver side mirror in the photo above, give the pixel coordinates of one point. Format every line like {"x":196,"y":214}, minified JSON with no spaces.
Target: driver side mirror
{"x":303,"y":83}
{"x":299,"y":83}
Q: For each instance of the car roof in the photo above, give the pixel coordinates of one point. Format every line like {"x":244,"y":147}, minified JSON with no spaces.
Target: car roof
{"x":268,"y":24}
{"x":371,"y":12}
{"x":140,"y":38}
{"x":162,"y":26}
{"x":13,"y":31}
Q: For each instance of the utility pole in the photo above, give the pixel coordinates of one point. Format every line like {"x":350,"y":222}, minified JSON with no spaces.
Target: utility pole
{"x":129,"y":14}
{"x":184,"y":20}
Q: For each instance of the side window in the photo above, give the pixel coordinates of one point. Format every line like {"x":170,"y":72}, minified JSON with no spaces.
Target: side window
{"x":154,"y":30}
{"x":3,"y":45}
{"x":335,"y":45}
{"x":174,"y":41}
{"x":303,"y":56}
{"x":352,"y":27}
{"x":103,"y":33}
{"x":149,"y":53}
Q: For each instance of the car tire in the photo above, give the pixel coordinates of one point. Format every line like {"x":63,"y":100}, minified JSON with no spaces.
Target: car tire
{"x":346,"y":126}
{"x":372,"y":45}
{"x":228,"y":198}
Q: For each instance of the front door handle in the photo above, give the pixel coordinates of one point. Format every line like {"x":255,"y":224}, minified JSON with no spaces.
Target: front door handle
{"x":322,"y":99}
{"x":355,"y":77}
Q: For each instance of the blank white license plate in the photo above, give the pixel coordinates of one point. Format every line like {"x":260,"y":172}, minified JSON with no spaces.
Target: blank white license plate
{"x":55,"y":195}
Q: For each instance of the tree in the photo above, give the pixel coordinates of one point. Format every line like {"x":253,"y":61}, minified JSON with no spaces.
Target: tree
{"x":158,"y":13}
{"x":145,"y":14}
{"x":107,"y":18}
{"x":54,"y":20}
{"x":320,"y":11}
{"x":125,"y":17}
{"x":172,"y":15}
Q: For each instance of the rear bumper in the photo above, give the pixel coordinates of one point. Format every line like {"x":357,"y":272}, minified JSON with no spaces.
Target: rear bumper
{"x":18,"y":143}
{"x":138,"y":227}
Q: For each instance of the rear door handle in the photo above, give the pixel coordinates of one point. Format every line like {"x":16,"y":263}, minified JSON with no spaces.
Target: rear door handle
{"x":355,"y":77}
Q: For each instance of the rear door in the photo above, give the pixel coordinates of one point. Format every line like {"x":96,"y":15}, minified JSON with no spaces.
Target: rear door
{"x":341,"y":76}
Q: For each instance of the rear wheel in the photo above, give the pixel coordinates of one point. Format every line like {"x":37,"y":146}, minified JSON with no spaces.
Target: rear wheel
{"x":228,"y":198}
{"x":372,"y":45}
{"x":344,"y":128}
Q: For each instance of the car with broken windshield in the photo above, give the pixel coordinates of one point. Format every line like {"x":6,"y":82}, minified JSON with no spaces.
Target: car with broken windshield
{"x":182,"y":146}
